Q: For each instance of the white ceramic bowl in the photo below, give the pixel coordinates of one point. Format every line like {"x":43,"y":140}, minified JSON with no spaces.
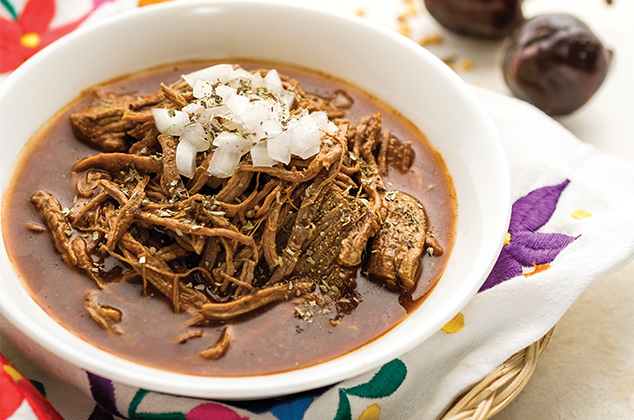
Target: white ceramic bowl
{"x":373,"y":58}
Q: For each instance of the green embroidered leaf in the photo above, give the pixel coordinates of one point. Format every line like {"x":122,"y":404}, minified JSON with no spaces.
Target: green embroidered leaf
{"x":385,"y":382}
{"x":134,"y":405}
{"x":7,"y":4}
{"x":161,"y":416}
{"x":343,"y":412}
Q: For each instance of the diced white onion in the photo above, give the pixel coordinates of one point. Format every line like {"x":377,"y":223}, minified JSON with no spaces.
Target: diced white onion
{"x":193,"y":108}
{"x":305,"y":137}
{"x":233,"y":141}
{"x":202,"y":88}
{"x":186,"y":158}
{"x":260,"y":155}
{"x":170,"y":121}
{"x":225,"y":92}
{"x":288,"y":98}
{"x":220,"y":73}
{"x":209,"y":113}
{"x":232,"y":122}
{"x":224,"y":162}
{"x":269,"y":128}
{"x":235,"y":103}
{"x":273,"y":82}
{"x":320,"y":118}
{"x":279,"y":147}
{"x":196,"y":135}
{"x":240,"y":74}
{"x":256,"y":114}
{"x":257,"y":81}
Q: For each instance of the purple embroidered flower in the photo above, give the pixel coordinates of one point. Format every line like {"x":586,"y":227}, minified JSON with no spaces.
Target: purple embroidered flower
{"x":102,"y":391}
{"x":525,"y":246}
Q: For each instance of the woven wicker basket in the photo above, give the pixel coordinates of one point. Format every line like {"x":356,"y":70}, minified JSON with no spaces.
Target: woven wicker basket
{"x":500,"y":387}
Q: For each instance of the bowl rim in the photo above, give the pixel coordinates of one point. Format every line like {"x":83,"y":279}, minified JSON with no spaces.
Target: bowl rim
{"x":259,"y":386}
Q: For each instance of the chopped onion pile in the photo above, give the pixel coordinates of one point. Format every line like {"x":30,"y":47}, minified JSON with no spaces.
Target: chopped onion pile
{"x":236,"y":112}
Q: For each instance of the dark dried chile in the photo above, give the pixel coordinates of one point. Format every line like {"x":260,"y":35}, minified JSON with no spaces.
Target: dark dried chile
{"x":556,"y":63}
{"x":488,"y":19}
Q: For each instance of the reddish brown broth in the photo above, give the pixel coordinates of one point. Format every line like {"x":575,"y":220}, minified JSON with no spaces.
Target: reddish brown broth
{"x":273,"y":339}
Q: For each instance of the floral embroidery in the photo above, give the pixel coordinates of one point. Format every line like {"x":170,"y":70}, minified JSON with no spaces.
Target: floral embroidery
{"x":18,"y":391}
{"x":29,"y":31}
{"x":580,"y":214}
{"x":102,"y":391}
{"x":290,"y":407}
{"x":373,"y":412}
{"x":386,"y":381}
{"x":134,"y":405}
{"x":455,"y":325}
{"x":538,"y":268}
{"x":525,"y":246}
{"x":213,"y":411}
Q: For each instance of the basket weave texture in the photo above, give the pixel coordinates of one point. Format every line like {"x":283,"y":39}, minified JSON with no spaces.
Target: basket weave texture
{"x":500,"y":387}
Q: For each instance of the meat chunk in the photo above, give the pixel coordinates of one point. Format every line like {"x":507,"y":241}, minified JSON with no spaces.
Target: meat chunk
{"x":102,"y":125}
{"x":396,"y":250}
{"x":115,"y":121}
{"x":339,"y":218}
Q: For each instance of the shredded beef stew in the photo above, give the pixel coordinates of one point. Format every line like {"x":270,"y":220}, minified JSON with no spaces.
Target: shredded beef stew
{"x":312,"y":241}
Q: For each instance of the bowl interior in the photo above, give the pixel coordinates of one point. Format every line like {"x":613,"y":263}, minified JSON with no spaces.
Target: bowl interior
{"x":375,"y":59}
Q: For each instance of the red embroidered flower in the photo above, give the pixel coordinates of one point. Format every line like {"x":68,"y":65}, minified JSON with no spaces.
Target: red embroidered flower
{"x":16,"y":392}
{"x":29,"y":33}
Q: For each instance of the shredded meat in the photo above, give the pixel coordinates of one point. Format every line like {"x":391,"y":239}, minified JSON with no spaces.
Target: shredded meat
{"x":72,"y":247}
{"x":188,"y":335}
{"x":107,"y":317}
{"x":219,"y":349}
{"x":248,"y":303}
{"x":219,"y":249}
{"x":113,"y":162}
{"x":171,"y":180}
